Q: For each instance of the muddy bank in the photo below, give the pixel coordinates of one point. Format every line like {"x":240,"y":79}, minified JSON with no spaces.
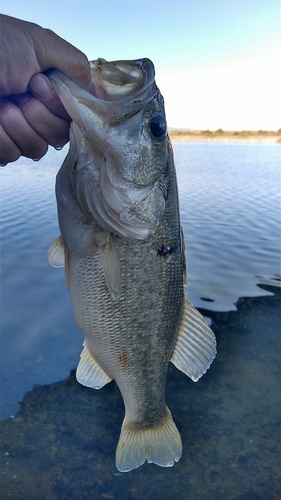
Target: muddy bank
{"x":61,"y":444}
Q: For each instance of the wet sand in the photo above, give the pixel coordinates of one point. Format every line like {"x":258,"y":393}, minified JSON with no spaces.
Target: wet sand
{"x":61,"y":444}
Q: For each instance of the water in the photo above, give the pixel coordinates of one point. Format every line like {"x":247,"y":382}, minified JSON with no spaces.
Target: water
{"x":39,"y":339}
{"x":230,"y":210}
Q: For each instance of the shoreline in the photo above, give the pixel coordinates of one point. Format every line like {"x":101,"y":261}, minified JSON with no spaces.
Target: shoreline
{"x":225,"y":136}
{"x":47,"y":446}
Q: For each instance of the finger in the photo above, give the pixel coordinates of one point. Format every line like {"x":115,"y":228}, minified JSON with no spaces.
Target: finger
{"x":20,"y":132}
{"x":29,"y":49}
{"x":41,"y":87}
{"x":9,"y":151}
{"x":54,"y":130}
{"x":53,"y":51}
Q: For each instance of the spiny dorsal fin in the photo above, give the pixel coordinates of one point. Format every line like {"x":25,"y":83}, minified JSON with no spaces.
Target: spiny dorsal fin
{"x":196,"y":345}
{"x":89,"y":373}
{"x":55,"y":255}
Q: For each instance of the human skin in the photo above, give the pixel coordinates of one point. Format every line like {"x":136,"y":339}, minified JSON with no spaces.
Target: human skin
{"x":31,"y":114}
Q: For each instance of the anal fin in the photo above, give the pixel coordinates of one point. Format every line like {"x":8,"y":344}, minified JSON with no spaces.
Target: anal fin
{"x":89,"y":373}
{"x":196,"y":345}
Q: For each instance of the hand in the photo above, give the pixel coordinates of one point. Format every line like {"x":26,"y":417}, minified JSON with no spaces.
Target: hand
{"x":31,"y":114}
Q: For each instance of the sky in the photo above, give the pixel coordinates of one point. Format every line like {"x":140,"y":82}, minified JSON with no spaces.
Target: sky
{"x":217,"y":62}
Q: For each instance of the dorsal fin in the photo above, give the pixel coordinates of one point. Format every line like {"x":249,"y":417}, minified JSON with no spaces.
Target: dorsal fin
{"x":196,"y":345}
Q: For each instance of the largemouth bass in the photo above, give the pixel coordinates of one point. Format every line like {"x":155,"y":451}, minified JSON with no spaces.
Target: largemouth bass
{"x":122,"y":247}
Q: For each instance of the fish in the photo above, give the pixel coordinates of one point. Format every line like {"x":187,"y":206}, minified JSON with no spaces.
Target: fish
{"x":122,"y":247}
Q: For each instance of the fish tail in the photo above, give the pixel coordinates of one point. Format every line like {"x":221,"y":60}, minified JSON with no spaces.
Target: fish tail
{"x":160,"y":445}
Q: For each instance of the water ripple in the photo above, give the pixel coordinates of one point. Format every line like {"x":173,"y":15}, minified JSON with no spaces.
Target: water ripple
{"x":230,"y":211}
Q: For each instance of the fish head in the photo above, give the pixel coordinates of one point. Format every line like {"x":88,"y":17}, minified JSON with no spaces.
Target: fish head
{"x":119,"y":132}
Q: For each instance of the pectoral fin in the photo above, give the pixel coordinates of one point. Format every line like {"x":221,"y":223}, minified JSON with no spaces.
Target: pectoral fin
{"x":55,"y":255}
{"x":110,"y":266}
{"x":196,"y":345}
{"x":89,"y":373}
{"x":58,"y":256}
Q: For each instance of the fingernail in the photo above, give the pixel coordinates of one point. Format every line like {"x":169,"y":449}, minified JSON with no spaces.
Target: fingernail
{"x":3,"y":164}
{"x":41,"y":87}
{"x":58,"y":148}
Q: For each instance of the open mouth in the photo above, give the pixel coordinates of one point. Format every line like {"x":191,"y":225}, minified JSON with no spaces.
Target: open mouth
{"x":112,"y":81}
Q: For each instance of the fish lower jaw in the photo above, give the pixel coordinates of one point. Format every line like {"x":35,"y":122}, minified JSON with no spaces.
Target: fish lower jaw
{"x":160,"y":444}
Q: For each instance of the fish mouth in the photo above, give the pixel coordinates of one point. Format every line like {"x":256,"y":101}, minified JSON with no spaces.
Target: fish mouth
{"x":118,"y":90}
{"x":128,"y":85}
{"x":112,"y":81}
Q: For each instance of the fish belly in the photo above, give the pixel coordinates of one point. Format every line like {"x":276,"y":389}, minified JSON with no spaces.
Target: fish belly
{"x":128,"y":300}
{"x":132,"y":338}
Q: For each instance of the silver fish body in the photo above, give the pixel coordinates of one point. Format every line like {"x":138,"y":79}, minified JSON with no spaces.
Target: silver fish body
{"x":122,"y":247}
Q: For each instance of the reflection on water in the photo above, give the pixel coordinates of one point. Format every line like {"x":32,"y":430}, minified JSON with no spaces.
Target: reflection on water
{"x":230,"y":211}
{"x":62,"y":442}
{"x":40,"y":342}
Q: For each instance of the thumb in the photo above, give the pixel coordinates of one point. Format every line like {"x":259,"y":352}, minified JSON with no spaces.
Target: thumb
{"x":41,"y":87}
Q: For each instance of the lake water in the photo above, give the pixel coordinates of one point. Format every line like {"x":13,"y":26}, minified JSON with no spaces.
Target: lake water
{"x":230,"y":211}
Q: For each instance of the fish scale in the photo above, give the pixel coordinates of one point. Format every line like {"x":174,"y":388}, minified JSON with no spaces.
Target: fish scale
{"x":123,"y":251}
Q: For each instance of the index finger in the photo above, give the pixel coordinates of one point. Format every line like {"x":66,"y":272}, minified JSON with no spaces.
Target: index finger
{"x":52,"y":51}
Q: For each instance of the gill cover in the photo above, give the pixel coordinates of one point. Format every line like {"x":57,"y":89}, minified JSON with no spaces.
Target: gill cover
{"x":119,"y":146}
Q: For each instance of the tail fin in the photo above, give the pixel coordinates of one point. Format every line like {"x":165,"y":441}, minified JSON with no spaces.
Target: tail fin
{"x":160,"y":445}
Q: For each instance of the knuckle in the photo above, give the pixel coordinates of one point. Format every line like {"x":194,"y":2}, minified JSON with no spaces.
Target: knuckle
{"x":37,"y":150}
{"x":60,"y":135}
{"x":32,"y":111}
{"x":8,"y":111}
{"x":9,"y":150}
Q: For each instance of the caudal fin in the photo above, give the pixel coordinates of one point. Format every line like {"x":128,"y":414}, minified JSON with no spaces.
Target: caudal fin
{"x":160,"y":445}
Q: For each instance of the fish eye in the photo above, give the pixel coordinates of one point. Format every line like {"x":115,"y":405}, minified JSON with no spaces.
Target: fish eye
{"x":158,"y":126}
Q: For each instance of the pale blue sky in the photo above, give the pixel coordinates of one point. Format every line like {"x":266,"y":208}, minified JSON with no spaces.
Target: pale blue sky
{"x":217,"y":61}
